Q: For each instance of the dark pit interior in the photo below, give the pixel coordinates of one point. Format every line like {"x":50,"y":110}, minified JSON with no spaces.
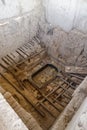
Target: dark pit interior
{"x":38,"y":82}
{"x":44,"y":76}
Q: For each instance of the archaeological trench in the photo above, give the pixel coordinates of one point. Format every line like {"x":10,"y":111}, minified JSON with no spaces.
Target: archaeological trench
{"x":43,"y":65}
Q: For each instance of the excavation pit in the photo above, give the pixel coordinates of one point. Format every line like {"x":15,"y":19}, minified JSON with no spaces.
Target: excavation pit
{"x":38,"y":83}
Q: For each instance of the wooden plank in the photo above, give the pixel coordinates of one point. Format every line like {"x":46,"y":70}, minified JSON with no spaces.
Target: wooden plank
{"x":76,"y":70}
{"x":23,"y":94}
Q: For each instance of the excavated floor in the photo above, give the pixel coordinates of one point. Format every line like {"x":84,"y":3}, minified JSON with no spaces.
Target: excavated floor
{"x":38,"y":82}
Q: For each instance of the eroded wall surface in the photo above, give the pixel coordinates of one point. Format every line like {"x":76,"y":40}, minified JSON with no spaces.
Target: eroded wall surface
{"x":18,"y":23}
{"x":68,"y":14}
{"x":65,"y":28}
{"x":79,"y":121}
{"x":9,"y":120}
